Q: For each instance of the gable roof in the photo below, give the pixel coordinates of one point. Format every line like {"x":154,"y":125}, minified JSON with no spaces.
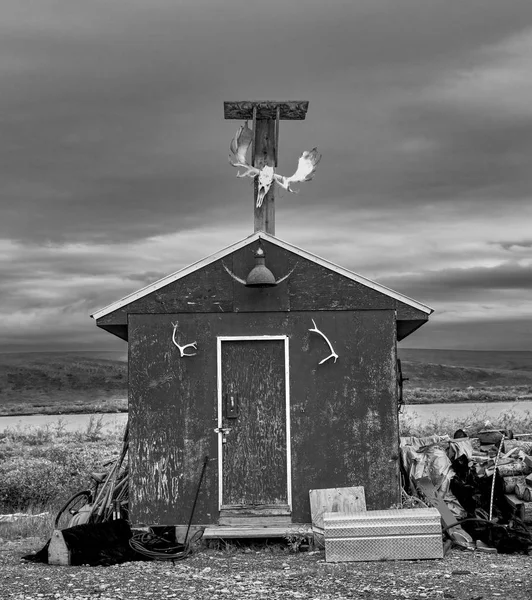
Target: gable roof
{"x":258,"y":235}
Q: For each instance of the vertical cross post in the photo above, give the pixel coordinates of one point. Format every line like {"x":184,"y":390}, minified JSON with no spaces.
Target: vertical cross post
{"x":265,"y":116}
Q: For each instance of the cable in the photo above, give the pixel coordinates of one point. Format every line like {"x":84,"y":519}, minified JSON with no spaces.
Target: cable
{"x":148,"y":544}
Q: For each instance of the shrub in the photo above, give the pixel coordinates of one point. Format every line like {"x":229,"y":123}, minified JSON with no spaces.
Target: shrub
{"x":474,"y":422}
{"x":47,"y":474}
{"x":31,"y":481}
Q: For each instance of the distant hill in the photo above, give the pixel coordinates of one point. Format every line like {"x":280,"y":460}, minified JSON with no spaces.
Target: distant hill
{"x":483,"y":359}
{"x":53,"y":382}
{"x":462,"y":375}
{"x":62,"y":382}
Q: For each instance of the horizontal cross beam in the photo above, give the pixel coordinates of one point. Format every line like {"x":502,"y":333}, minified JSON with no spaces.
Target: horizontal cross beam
{"x":295,"y":110}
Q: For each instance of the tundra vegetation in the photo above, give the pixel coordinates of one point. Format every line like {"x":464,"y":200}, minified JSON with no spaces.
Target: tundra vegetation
{"x":41,"y":467}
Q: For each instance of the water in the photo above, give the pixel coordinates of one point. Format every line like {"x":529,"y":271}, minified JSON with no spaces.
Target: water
{"x":420,"y":412}
{"x":110,"y":421}
{"x":427,"y":412}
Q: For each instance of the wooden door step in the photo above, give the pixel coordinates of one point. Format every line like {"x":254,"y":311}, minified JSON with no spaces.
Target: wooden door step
{"x":254,"y":531}
{"x":255,"y":520}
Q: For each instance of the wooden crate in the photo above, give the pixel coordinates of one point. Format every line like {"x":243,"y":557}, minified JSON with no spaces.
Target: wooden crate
{"x":523,"y":510}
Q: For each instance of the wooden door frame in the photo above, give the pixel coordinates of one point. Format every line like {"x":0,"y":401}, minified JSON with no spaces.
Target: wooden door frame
{"x":247,"y":338}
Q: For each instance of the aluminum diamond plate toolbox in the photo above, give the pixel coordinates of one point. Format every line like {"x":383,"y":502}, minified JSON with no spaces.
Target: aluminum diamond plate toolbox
{"x":383,"y":535}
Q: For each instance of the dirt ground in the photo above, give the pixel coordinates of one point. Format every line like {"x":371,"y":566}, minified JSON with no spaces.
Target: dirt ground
{"x":248,"y":573}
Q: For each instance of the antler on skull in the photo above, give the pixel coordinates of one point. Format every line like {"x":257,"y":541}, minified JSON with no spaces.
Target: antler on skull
{"x":239,"y":147}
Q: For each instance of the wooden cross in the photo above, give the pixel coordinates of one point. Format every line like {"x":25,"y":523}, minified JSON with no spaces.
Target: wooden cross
{"x":265,"y":116}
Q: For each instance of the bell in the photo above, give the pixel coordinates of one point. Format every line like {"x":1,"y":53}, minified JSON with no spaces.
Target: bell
{"x":260,"y":275}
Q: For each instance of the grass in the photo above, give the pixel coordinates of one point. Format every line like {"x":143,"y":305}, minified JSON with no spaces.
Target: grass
{"x":41,"y":467}
{"x":65,"y":404}
{"x":474,"y":422}
{"x":429,"y":395}
{"x":64,"y":459}
{"x":30,"y":527}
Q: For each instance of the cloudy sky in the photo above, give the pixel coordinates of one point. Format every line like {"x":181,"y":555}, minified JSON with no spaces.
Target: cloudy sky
{"x":114,"y":172}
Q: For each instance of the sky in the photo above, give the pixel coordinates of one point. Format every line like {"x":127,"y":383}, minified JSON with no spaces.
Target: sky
{"x":114,"y":170}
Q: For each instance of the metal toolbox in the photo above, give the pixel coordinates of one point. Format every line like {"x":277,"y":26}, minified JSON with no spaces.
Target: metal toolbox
{"x":383,"y":535}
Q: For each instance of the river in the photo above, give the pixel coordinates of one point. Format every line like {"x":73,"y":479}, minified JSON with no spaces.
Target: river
{"x":418,"y":412}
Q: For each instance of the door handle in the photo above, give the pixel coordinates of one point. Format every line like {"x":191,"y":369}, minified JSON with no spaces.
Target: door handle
{"x":232,"y":406}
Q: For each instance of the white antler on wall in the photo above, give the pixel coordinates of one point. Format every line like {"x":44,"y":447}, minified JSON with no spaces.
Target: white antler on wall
{"x":333,"y":353}
{"x":183,"y":348}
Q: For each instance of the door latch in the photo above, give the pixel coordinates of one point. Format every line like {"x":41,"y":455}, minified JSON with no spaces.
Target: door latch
{"x":224,"y":431}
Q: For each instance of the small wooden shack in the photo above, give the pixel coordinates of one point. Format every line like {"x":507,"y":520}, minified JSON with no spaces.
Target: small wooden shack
{"x":287,"y":386}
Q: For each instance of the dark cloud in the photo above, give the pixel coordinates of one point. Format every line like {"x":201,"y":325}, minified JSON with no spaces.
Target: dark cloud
{"x":464,"y":283}
{"x":113,"y":159}
{"x":508,"y":334}
{"x":515,"y":245}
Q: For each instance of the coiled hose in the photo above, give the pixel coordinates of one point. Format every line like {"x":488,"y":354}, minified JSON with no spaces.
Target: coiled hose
{"x":152,"y":546}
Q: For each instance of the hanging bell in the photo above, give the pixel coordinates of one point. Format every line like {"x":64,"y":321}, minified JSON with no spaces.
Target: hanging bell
{"x":260,"y":275}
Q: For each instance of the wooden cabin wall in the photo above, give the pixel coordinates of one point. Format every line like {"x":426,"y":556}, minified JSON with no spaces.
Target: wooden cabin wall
{"x":343,"y":415}
{"x":310,"y":286}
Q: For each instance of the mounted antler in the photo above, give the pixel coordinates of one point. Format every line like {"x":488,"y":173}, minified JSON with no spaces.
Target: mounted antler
{"x":182,"y":349}
{"x":239,"y":147}
{"x":333,"y":353}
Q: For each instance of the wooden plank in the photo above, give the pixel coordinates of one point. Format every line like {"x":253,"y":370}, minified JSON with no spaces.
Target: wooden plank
{"x":523,"y":492}
{"x":348,"y":500}
{"x":523,"y":510}
{"x":255,"y":452}
{"x":58,"y":552}
{"x":171,"y":420}
{"x":256,"y":521}
{"x":311,"y":285}
{"x":264,"y":215}
{"x":425,"y":485}
{"x":343,"y":417}
{"x":511,"y":481}
{"x":254,"y":511}
{"x":256,"y":532}
{"x":513,"y":469}
{"x":525,"y":446}
{"x":291,"y":110}
{"x":207,"y":290}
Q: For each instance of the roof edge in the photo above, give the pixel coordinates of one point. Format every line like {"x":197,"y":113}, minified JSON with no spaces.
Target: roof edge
{"x":98,"y":314}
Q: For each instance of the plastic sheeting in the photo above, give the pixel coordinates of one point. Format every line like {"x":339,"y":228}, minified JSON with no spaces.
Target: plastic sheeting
{"x":423,"y":457}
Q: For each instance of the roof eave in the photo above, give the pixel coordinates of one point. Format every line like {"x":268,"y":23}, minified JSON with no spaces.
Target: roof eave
{"x":236,"y":246}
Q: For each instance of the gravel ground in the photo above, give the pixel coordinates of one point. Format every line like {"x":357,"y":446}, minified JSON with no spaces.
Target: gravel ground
{"x":264,"y":574}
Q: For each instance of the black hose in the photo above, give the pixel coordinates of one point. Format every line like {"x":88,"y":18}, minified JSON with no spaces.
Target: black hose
{"x":150,"y":545}
{"x":477,"y":519}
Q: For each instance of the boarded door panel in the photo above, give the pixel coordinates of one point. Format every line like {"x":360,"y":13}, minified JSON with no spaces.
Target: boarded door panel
{"x":254,"y":464}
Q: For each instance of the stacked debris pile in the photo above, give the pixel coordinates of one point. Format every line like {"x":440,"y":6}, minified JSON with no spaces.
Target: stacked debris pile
{"x":481,"y":486}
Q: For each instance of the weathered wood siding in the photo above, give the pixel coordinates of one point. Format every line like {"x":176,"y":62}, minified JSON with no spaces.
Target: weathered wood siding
{"x":309,"y":287}
{"x":343,"y":414}
{"x":254,"y":461}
